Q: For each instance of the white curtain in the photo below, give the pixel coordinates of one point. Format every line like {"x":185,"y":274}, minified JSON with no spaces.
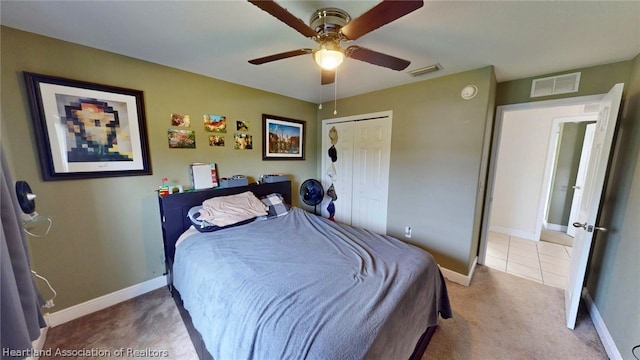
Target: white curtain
{"x":20,"y":316}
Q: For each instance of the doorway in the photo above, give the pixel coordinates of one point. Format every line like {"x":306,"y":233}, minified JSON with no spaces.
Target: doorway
{"x":569,"y":152}
{"x":528,"y":188}
{"x":608,"y":110}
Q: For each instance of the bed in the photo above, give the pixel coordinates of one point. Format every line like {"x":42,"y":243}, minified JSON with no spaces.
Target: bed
{"x":298,"y":286}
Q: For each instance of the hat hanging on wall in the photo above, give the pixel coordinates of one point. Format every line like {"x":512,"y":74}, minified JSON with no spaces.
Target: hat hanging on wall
{"x":331,"y":171}
{"x":333,"y":153}
{"x":331,"y":192}
{"x":333,"y":135}
{"x":331,"y":208}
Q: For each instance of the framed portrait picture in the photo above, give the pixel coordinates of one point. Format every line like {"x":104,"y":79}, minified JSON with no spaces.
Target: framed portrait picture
{"x":86,"y":130}
{"x":283,"y":138}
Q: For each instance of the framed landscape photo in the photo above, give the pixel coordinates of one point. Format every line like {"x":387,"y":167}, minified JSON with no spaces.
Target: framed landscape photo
{"x":283,"y":138}
{"x":86,"y":130}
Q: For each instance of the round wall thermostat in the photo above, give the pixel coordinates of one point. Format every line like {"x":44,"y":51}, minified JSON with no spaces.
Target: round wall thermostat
{"x":469,"y":92}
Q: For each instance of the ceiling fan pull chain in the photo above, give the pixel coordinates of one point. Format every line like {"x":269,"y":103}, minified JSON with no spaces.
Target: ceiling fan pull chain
{"x":335,"y":93}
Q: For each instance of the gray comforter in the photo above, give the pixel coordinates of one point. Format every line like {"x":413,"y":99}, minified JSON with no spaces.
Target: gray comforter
{"x":302,"y":287}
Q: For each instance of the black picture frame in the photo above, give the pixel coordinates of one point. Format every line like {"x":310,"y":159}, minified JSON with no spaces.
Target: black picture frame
{"x":282,"y":138}
{"x":87,"y":130}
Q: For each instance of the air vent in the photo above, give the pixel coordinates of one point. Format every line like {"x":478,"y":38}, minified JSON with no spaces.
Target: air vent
{"x":425,"y":70}
{"x":561,"y":84}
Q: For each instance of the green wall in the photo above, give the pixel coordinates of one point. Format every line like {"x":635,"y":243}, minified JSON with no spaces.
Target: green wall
{"x":438,"y":160}
{"x":612,"y":279}
{"x":593,"y":81}
{"x":612,"y":276}
{"x":106,"y":232}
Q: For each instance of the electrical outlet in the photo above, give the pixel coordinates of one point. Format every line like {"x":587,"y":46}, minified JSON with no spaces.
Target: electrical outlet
{"x":407,"y":232}
{"x":49,"y":304}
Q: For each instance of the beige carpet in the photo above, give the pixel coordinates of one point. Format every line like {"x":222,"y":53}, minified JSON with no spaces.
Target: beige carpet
{"x":149,"y":324}
{"x":556,"y":237}
{"x":500,"y":316}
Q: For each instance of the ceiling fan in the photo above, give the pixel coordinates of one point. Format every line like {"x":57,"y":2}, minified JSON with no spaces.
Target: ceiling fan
{"x":331,"y":26}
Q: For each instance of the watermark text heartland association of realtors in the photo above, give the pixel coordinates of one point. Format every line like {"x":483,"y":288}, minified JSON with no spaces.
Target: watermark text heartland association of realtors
{"x":97,"y":353}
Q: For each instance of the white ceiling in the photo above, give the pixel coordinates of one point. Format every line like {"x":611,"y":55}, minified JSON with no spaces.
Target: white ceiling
{"x":217,"y":38}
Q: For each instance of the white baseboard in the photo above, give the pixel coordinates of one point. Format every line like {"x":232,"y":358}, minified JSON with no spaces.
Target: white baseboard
{"x":601,"y":327}
{"x":102,"y":302}
{"x":515,"y":232}
{"x":458,"y":278}
{"x":38,"y":344}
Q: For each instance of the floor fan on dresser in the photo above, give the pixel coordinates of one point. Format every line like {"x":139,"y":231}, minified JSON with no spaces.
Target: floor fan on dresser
{"x":312,"y":193}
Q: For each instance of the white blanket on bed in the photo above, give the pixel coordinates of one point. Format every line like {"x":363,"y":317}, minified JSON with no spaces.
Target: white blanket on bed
{"x":228,"y":210}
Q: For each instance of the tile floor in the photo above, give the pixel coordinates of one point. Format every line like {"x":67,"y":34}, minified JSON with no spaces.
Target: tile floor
{"x":540,"y":261}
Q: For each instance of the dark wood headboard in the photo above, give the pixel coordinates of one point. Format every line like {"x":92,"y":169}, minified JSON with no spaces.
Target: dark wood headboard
{"x":174,"y":208}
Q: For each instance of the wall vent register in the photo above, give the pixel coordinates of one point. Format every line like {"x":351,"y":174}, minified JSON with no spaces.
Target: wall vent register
{"x":554,"y":85}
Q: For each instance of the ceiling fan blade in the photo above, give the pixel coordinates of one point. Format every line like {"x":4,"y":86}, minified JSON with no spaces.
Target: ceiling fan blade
{"x":381,"y":14}
{"x":327,"y":77}
{"x":376,"y":58}
{"x":285,"y":16}
{"x":280,"y":56}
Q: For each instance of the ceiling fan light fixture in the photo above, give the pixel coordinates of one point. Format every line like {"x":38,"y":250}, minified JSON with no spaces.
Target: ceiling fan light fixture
{"x":328,"y":55}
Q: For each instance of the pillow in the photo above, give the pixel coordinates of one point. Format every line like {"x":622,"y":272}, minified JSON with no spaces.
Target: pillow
{"x":227,"y":210}
{"x":194,"y":215}
{"x":204,"y":226}
{"x":277,"y":206}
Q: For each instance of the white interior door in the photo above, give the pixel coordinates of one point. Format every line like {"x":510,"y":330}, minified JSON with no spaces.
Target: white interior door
{"x":593,"y":187}
{"x":371,"y":155}
{"x":580,"y":178}
{"x":360,"y":174}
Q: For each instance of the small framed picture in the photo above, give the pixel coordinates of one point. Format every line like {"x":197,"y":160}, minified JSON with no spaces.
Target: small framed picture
{"x":216,"y":140}
{"x":180,"y":120}
{"x":243,"y":142}
{"x":181,"y":139}
{"x":242,"y":126}
{"x":215,"y":123}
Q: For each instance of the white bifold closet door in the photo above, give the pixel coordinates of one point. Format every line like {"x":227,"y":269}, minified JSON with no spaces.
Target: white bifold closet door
{"x":361,"y":177}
